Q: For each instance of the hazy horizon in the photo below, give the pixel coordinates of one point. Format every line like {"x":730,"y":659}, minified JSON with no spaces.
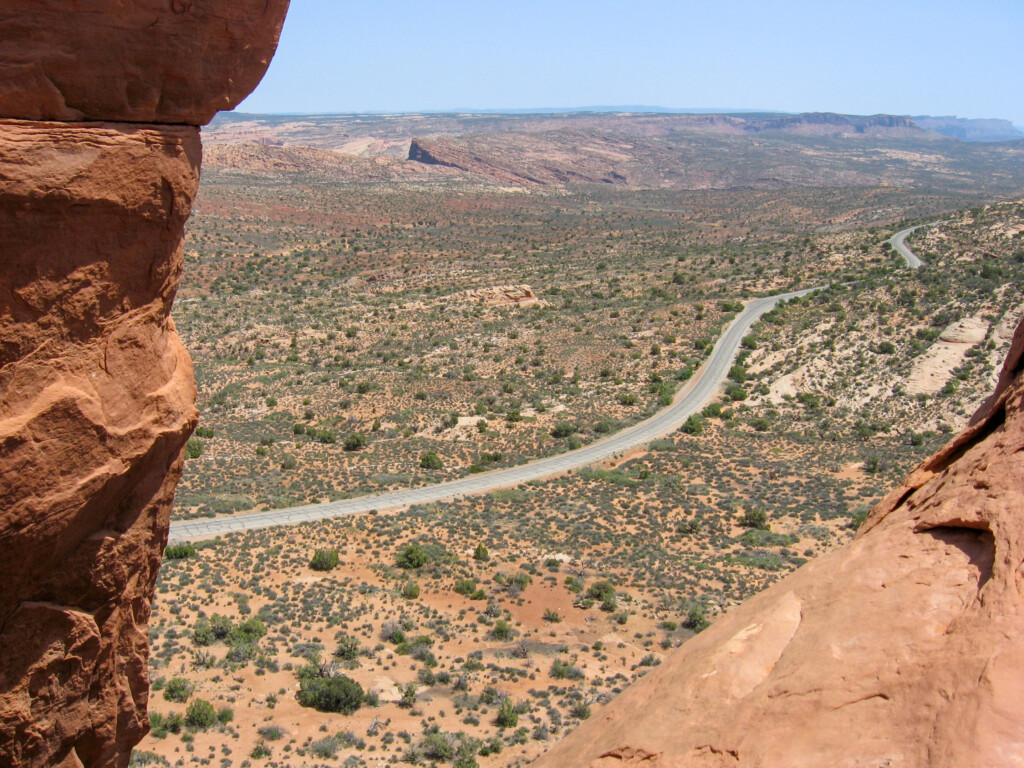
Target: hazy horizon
{"x":903,"y":57}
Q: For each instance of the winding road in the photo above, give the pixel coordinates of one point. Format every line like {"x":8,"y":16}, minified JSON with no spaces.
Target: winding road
{"x":897,"y":242}
{"x":689,"y":400}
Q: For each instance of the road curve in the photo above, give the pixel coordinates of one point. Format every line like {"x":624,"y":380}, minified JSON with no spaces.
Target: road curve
{"x":897,"y":241}
{"x":689,"y":400}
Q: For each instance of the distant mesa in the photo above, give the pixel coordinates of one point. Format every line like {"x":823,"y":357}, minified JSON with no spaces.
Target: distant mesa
{"x":971,"y":129}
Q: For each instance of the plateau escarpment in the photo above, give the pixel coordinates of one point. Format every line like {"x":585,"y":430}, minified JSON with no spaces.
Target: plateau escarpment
{"x":98,"y":393}
{"x":902,"y":648}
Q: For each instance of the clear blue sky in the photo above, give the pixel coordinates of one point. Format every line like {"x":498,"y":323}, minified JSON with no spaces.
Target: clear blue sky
{"x":856,"y":56}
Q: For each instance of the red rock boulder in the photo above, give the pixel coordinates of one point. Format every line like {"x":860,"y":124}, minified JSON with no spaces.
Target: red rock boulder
{"x":141,"y":61}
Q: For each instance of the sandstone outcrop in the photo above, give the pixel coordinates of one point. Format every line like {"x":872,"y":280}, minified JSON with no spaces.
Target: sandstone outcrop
{"x":903,"y":648}
{"x":97,"y":392}
{"x":144,"y":61}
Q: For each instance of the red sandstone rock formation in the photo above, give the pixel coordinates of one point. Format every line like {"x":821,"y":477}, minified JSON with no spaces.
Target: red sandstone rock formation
{"x":143,"y":61}
{"x":97,"y":392}
{"x":904,"y":648}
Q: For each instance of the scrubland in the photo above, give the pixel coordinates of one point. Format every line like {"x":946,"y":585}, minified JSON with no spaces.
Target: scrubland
{"x":351,"y":336}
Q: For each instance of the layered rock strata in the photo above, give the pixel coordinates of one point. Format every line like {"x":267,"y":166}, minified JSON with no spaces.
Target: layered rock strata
{"x":904,"y":648}
{"x":97,"y":392}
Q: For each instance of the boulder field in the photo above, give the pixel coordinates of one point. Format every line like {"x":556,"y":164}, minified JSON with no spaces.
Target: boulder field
{"x":100,"y":104}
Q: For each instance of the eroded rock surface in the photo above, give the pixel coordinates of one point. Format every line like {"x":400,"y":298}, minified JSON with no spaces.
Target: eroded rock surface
{"x":904,"y":649}
{"x":98,"y":396}
{"x":144,"y":61}
{"x":98,"y":401}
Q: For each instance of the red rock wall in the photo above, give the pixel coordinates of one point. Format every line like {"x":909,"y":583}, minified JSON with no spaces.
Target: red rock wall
{"x":904,"y":649}
{"x":97,"y":392}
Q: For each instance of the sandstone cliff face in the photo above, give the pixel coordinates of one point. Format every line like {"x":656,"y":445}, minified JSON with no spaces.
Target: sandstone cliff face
{"x":140,"y":61}
{"x":97,"y":391}
{"x":903,"y":648}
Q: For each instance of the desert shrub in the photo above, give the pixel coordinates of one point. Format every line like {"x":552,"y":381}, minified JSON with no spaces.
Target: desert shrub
{"x":260,"y":751}
{"x":508,"y":716}
{"x":563,"y":429}
{"x":194,"y":448}
{"x":465,"y":586}
{"x":438,"y":746}
{"x":202,"y":633}
{"x":324,"y":560}
{"x":601,"y":590}
{"x":481,"y":554}
{"x":200,"y":714}
{"x":221,"y":626}
{"x":693,"y":425}
{"x":179,"y":552}
{"x":178,"y":689}
{"x":431,"y":461}
{"x":563,"y":670}
{"x":697,"y":618}
{"x":736,"y":392}
{"x":410,"y":590}
{"x":348,"y":648}
{"x":755,"y":518}
{"x":331,"y":694}
{"x":411,"y":557}
{"x":271,"y":732}
{"x":355,"y":441}
{"x":141,"y":757}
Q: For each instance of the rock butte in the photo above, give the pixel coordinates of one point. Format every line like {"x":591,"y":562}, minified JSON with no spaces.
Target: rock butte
{"x":98,"y":393}
{"x":903,"y":648}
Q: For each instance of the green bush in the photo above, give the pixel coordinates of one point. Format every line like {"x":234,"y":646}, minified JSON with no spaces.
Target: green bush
{"x":200,"y":714}
{"x":563,"y":429}
{"x":563,"y":670}
{"x":355,"y":441}
{"x":481,"y":554}
{"x":508,"y":716}
{"x":693,"y":425}
{"x":324,"y":560}
{"x":755,"y":518}
{"x":331,"y":694}
{"x":411,"y":590}
{"x":411,"y":557}
{"x":202,"y":633}
{"x":179,"y":552}
{"x":178,"y":689}
{"x":431,"y":460}
{"x":348,"y":648}
{"x":736,"y":392}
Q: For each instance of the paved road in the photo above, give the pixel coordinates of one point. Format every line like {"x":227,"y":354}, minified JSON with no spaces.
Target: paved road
{"x":897,"y":242}
{"x":689,"y":400}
